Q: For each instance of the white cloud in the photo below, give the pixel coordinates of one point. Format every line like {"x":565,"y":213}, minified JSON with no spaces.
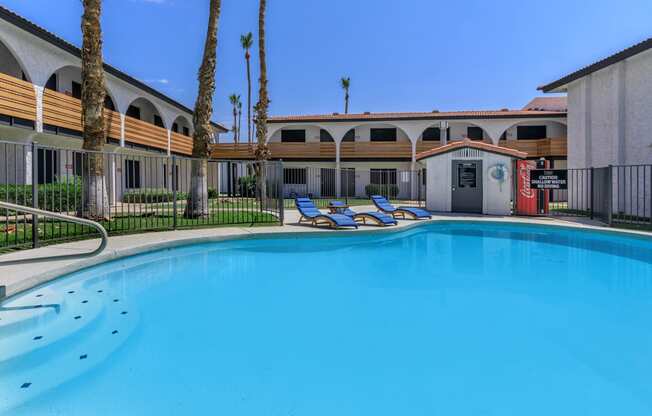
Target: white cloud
{"x":163,"y":81}
{"x":150,"y":1}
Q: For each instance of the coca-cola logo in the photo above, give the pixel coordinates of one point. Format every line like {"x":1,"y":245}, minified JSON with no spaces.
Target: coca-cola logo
{"x":524,"y":174}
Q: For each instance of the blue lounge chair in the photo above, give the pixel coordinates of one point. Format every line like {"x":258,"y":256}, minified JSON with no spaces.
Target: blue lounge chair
{"x":311,"y":214}
{"x":377,"y":218}
{"x":384,"y":206}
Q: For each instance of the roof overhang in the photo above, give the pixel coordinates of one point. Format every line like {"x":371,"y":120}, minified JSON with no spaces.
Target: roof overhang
{"x":470,"y":144}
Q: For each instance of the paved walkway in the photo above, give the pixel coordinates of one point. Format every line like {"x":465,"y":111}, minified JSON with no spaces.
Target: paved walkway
{"x":18,"y":278}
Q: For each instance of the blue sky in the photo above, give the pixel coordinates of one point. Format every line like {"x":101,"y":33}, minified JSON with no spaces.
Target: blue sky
{"x":409,"y":55}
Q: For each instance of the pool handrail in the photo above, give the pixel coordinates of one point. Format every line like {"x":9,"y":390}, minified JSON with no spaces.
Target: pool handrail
{"x":56,"y":215}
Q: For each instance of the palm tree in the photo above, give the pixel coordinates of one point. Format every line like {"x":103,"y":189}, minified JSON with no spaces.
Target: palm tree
{"x":262,"y":152}
{"x":247,"y":42}
{"x":96,"y":201}
{"x":345,"y":82}
{"x":197,"y":204}
{"x":235,"y":99}
{"x":239,"y":118}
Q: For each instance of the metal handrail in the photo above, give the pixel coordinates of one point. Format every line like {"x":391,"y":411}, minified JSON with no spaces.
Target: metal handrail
{"x":56,"y":215}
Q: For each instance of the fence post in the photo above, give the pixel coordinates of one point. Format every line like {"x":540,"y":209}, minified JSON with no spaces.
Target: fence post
{"x":610,"y":190}
{"x":591,"y":190}
{"x":280,"y":182}
{"x":35,"y":242}
{"x":174,"y":192}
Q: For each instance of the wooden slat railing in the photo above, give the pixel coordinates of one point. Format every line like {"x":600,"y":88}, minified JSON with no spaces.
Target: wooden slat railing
{"x":539,"y":147}
{"x":144,"y":133}
{"x":17,"y":98}
{"x":375,"y":150}
{"x":278,"y":150}
{"x":181,"y":144}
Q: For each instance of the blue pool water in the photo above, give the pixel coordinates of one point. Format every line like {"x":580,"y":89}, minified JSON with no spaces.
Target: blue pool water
{"x":450,"y":319}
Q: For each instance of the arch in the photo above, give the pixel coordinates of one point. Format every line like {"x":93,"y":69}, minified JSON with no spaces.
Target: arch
{"x":526,"y":122}
{"x":12,"y":64}
{"x":63,"y":80}
{"x":180,"y":123}
{"x":290,"y":126}
{"x":146,"y":111}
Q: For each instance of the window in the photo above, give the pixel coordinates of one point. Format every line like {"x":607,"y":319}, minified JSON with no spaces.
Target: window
{"x":383,"y":135}
{"x":349,"y":136}
{"x":175,"y":180}
{"x":175,"y":127}
{"x":132,"y":174}
{"x":531,"y":132}
{"x":383,"y":176}
{"x":48,"y":166}
{"x":294,"y":176}
{"x":474,"y":133}
{"x":52,"y":82}
{"x":186,"y":131}
{"x":434,"y":133}
{"x":76,"y":90}
{"x":158,"y":121}
{"x":293,"y":136}
{"x":503,"y":136}
{"x":133,"y":111}
{"x":80,"y":165}
{"x":325,"y":136}
{"x":347,"y":182}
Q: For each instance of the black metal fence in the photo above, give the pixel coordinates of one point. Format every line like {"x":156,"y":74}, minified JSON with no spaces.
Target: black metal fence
{"x":616,"y":195}
{"x":352,"y":185}
{"x":134,"y":193}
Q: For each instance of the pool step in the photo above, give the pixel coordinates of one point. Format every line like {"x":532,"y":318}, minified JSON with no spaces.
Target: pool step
{"x":67,"y":347}
{"x":29,"y":311}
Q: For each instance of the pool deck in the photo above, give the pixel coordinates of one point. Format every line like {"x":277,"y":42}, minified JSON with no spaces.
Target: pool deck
{"x":18,"y":278}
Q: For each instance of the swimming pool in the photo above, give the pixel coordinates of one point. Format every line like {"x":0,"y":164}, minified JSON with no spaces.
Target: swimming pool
{"x":447,"y":318}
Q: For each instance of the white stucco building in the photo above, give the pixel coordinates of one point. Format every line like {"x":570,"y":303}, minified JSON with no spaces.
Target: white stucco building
{"x":610,"y":109}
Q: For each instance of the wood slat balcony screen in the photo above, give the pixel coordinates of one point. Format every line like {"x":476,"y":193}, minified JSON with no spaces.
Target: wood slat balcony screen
{"x":278,"y":150}
{"x":146,"y":134}
{"x":181,"y":144}
{"x":422,"y":146}
{"x":376,"y":150}
{"x":232,"y":151}
{"x":17,"y":98}
{"x":539,"y":147}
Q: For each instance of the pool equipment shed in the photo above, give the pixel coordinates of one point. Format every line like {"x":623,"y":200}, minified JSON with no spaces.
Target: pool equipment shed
{"x":470,"y":176}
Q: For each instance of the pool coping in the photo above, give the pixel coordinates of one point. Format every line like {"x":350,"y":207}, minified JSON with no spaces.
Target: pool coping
{"x":37,"y":274}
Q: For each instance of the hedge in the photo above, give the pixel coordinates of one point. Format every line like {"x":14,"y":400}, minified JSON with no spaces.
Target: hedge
{"x":60,"y":196}
{"x":152,"y":195}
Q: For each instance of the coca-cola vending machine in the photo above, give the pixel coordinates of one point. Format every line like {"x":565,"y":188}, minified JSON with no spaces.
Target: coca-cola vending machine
{"x":530,"y":201}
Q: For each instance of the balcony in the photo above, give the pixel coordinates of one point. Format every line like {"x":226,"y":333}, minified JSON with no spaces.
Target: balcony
{"x":279,"y":151}
{"x":18,"y":100}
{"x":539,"y":147}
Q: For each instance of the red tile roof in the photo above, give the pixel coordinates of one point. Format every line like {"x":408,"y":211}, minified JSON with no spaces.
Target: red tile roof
{"x":448,"y":115}
{"x":547,"y":104}
{"x":466,"y":143}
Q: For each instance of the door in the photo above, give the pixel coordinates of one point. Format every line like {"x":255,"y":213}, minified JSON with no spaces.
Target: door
{"x":347,"y":181}
{"x":327,"y":182}
{"x":467,"y":186}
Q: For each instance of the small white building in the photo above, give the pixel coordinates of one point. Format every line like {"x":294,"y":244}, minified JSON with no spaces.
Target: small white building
{"x":471,"y":177}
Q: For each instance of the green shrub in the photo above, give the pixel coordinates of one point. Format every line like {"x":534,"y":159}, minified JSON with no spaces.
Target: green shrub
{"x":389,"y":190}
{"x":151,"y":195}
{"x":60,"y":196}
{"x":247,"y":186}
{"x":212,"y":193}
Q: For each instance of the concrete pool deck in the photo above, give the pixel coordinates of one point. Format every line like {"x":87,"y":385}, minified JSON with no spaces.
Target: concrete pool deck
{"x":18,"y":278}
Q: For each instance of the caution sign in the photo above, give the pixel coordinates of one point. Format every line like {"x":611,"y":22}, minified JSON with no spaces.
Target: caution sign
{"x":549,"y":179}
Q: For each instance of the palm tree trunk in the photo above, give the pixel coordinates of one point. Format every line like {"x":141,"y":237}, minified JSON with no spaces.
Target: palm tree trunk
{"x":96,"y":202}
{"x":239,"y":124}
{"x":346,"y":102}
{"x":235,"y":125}
{"x":262,"y":152}
{"x":249,"y":124}
{"x":197,"y":204}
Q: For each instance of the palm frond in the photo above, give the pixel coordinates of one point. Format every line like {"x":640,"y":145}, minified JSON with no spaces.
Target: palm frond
{"x":247,"y":40}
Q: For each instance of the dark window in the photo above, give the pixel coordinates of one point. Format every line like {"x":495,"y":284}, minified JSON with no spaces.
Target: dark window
{"x":325,"y":136}
{"x":175,"y":127}
{"x":52,"y":82}
{"x":383,"y":135}
{"x":133,"y":111}
{"x":503,"y":136}
{"x":293,"y":136}
{"x":108,"y":103}
{"x":423,"y":177}
{"x":531,"y":132}
{"x":347,"y":181}
{"x":48,"y":166}
{"x":158,"y":121}
{"x":434,"y":133}
{"x":76,"y":90}
{"x":382,"y":176}
{"x":80,"y":165}
{"x":132,"y":174}
{"x":349,"y":136}
{"x":474,"y":133}
{"x":23,"y":76}
{"x":186,"y":131}
{"x":294,"y":176}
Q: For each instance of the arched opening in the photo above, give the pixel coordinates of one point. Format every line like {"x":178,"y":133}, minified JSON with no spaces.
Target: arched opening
{"x":535,"y":130}
{"x":10,"y":65}
{"x":143,"y":109}
{"x":377,"y":132}
{"x":182,"y":126}
{"x":67,"y":80}
{"x":459,"y":130}
{"x":304,"y":133}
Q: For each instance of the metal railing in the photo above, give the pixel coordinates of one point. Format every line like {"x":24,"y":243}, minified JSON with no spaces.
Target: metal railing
{"x":82,"y":221}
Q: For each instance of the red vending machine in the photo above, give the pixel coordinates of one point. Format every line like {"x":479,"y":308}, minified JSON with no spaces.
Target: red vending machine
{"x":530,"y":201}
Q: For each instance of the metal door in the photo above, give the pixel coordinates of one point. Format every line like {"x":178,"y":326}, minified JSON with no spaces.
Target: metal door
{"x":466,"y":188}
